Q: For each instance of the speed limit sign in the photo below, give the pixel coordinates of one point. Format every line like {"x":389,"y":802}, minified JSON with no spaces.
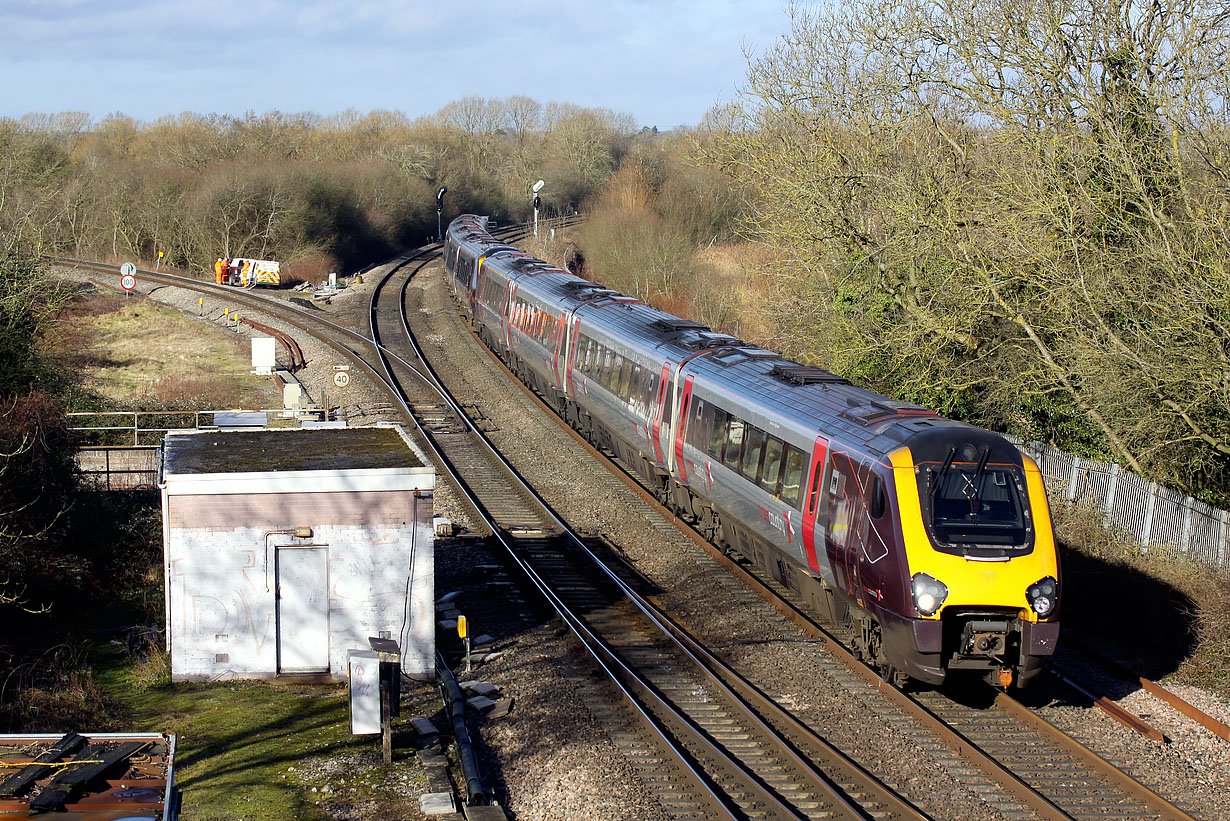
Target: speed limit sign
{"x":341,"y":379}
{"x":128,"y":278}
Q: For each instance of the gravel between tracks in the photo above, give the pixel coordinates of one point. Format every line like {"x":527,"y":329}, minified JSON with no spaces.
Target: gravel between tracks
{"x":550,"y":758}
{"x":1194,"y":765}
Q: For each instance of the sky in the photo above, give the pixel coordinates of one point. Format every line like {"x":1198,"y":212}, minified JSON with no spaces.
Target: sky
{"x":664,"y":62}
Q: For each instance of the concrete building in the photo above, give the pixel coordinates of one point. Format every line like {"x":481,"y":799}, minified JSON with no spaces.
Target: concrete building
{"x":284,"y":549}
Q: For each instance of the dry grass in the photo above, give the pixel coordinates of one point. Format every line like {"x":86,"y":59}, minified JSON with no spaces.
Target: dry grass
{"x":135,"y":349}
{"x":1154,"y":606}
{"x":729,"y":291}
{"x":52,"y":691}
{"x":152,"y":669}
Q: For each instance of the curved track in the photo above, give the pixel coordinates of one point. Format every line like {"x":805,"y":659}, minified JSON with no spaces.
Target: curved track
{"x":714,"y":737}
{"x":1038,"y":769}
{"x":716,"y":747}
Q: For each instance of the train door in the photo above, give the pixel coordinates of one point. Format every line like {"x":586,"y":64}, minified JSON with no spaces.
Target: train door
{"x":682,"y":426}
{"x":811,"y":504}
{"x":661,"y":421}
{"x":844,"y":522}
{"x":558,"y":349}
{"x":475,"y":283}
{"x":506,"y":322}
{"x":572,"y":343}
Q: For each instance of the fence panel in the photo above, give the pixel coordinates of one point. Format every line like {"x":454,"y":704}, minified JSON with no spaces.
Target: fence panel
{"x":123,"y":467}
{"x":1153,"y":514}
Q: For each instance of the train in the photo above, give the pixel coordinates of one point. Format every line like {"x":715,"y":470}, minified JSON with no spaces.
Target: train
{"x":929,"y":538}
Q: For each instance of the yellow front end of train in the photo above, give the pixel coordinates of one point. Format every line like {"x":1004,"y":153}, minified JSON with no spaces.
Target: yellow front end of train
{"x":981,"y":564}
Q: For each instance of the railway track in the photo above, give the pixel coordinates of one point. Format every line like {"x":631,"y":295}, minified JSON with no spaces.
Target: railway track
{"x":718,"y":747}
{"x":1009,"y":757}
{"x":1025,"y":766}
{"x":727,"y":750}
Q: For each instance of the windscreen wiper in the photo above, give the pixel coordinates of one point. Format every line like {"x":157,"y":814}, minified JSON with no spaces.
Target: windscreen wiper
{"x":972,"y":495}
{"x":943,"y":471}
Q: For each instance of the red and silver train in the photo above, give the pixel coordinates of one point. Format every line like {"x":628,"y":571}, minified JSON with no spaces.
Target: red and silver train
{"x":931,"y":537}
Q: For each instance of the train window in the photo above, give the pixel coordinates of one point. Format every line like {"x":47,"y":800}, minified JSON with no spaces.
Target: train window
{"x":632,"y":373}
{"x":772,"y":465}
{"x":878,"y":501}
{"x":717,"y":439}
{"x":971,"y":507}
{"x":734,"y":443}
{"x":752,"y":452}
{"x":604,"y":376}
{"x":792,"y":476}
{"x":612,"y":375}
{"x":585,"y":356}
{"x":649,"y":388}
{"x":697,"y":429}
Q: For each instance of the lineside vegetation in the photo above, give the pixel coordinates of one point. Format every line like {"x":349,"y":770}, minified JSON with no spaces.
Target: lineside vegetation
{"x":1012,"y":212}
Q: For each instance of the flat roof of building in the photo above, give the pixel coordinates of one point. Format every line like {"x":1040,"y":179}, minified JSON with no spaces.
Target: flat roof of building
{"x":289,"y":449}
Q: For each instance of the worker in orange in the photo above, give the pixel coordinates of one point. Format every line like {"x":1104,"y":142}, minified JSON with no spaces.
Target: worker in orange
{"x":219,"y":269}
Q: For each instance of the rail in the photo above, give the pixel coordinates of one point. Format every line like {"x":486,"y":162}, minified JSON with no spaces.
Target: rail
{"x":136,"y":428}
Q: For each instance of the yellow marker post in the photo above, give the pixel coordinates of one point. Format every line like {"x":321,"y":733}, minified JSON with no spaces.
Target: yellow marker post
{"x":462,"y":631}
{"x":200,"y":306}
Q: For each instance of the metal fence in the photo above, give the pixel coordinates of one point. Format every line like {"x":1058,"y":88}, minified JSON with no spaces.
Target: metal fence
{"x":1154,"y":515}
{"x":120,"y":468}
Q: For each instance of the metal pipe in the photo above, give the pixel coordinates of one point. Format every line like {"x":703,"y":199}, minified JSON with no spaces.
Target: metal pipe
{"x":455,"y":705}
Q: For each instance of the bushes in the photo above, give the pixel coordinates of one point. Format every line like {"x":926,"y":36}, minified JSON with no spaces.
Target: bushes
{"x":51,"y":692}
{"x":292,"y":186}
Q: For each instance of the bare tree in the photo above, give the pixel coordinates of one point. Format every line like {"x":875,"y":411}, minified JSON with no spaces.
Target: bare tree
{"x":1020,"y":202}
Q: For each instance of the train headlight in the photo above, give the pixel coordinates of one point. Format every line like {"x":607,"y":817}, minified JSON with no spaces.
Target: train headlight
{"x":929,"y":593}
{"x":1043,"y":596}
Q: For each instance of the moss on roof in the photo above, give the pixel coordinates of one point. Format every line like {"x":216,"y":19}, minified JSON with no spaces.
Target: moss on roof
{"x":261,"y":451}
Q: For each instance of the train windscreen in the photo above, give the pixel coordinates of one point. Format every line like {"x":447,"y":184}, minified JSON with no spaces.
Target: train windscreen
{"x":976,"y":508}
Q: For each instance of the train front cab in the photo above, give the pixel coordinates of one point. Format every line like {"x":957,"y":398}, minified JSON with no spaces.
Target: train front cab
{"x":982,"y":566}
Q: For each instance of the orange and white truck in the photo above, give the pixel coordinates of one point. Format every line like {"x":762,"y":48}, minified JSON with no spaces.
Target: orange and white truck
{"x":246,"y":273}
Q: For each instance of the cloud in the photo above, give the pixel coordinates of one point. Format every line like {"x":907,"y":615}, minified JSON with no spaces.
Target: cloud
{"x":664,"y":62}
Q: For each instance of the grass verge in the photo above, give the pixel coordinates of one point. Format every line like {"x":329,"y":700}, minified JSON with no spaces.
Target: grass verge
{"x":139,"y":350}
{"x":1167,"y":614}
{"x":266,"y":751}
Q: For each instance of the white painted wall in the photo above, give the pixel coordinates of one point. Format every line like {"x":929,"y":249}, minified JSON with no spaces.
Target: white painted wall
{"x":222,"y":596}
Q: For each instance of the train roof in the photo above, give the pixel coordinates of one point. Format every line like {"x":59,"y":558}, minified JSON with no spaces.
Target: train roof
{"x":764,"y":380}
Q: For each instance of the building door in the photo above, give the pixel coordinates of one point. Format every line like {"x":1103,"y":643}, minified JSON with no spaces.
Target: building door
{"x":303,"y":610}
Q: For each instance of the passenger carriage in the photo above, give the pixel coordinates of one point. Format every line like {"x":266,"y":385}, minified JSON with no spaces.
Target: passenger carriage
{"x":930,"y":536}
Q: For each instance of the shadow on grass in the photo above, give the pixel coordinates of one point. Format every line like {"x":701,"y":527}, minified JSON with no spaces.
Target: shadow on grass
{"x":1123,"y":613}
{"x":238,"y":740}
